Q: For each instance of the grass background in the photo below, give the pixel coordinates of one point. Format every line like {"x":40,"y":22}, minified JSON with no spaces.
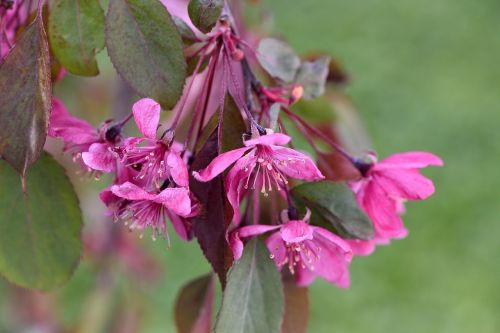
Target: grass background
{"x":424,"y":75}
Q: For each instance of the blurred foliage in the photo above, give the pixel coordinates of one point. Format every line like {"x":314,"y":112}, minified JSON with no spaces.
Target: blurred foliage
{"x":424,"y":75}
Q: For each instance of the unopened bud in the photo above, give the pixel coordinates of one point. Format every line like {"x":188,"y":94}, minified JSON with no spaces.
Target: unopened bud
{"x":7,"y":4}
{"x":296,"y":94}
{"x":237,"y":55}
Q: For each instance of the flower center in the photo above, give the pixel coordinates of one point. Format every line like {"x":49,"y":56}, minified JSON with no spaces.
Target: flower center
{"x":264,"y":171}
{"x":300,"y":254}
{"x":150,"y":161}
{"x":142,"y":214}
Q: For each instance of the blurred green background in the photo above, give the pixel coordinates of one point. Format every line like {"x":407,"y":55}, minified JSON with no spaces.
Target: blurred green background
{"x":424,"y":76}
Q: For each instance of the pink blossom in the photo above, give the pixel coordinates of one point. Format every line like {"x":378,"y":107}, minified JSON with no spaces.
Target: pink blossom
{"x":140,"y":209}
{"x":83,"y":140}
{"x":387,"y":184}
{"x":306,"y":250}
{"x":156,"y":159}
{"x":11,"y":20}
{"x":264,"y":163}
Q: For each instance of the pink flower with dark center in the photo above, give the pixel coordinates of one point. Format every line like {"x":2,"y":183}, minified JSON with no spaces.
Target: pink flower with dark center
{"x":155,"y":159}
{"x":308,"y":251}
{"x":82,"y":140}
{"x":263,"y":163}
{"x":140,"y":209}
{"x":387,"y":184}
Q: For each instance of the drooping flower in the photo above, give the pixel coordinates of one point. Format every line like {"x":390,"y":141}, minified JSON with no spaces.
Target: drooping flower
{"x":263,"y":163}
{"x":94,"y":147}
{"x":386,"y":185}
{"x":140,"y":209}
{"x":13,"y":15}
{"x":156,"y":159}
{"x":308,"y":251}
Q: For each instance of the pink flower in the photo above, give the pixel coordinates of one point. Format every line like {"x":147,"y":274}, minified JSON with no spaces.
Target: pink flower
{"x":387,"y":184}
{"x":264,"y":163}
{"x":156,"y":159}
{"x":13,"y":17}
{"x":82,"y":140}
{"x":140,"y":209}
{"x":308,"y":251}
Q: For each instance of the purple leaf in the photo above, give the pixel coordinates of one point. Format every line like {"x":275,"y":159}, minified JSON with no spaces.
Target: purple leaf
{"x":194,"y":305}
{"x":26,"y":98}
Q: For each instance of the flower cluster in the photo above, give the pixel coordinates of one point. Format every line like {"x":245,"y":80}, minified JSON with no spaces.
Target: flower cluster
{"x":154,"y":173}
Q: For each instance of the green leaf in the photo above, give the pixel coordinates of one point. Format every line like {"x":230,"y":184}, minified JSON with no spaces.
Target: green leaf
{"x":188,"y":36}
{"x":146,"y":49}
{"x":205,"y":13}
{"x":296,"y":308}
{"x":26,"y":98}
{"x":334,"y":207}
{"x":312,"y":77}
{"x":76,"y":34}
{"x":278,"y":59}
{"x":39,"y":230}
{"x":193,"y":307}
{"x":233,"y":126}
{"x":253,"y":300}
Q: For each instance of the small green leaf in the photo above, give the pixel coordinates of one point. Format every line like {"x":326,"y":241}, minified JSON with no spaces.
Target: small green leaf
{"x":188,"y":36}
{"x":233,"y":125}
{"x":205,"y":13}
{"x":26,"y":98}
{"x":278,"y":59}
{"x":76,"y":33}
{"x":253,"y":300}
{"x":40,"y":229}
{"x":146,"y":49}
{"x":312,"y":76}
{"x":334,"y":207}
{"x":193,"y":307}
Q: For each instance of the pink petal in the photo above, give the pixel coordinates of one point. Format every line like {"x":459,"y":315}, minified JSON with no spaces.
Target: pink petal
{"x":382,"y":210}
{"x":147,"y":116}
{"x":256,"y":229}
{"x":99,"y":157}
{"x":175,"y":199}
{"x":131,"y":191}
{"x":406,"y":184}
{"x":107,"y":197}
{"x":69,"y":128}
{"x":333,"y":261}
{"x":334,"y":240}
{"x":296,"y":232}
{"x":361,"y":247}
{"x":219,"y":164}
{"x":235,"y":182}
{"x":269,"y":139}
{"x":236,"y":245}
{"x":179,"y":226}
{"x":277,"y":249}
{"x":409,"y":160}
{"x":304,"y":277}
{"x":178,"y":169}
{"x":295,"y":164}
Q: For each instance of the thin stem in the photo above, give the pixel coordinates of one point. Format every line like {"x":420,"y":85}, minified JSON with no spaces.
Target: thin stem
{"x":201,"y":105}
{"x":333,"y":144}
{"x":125,"y":120}
{"x":249,"y":115}
{"x":186,"y":94}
